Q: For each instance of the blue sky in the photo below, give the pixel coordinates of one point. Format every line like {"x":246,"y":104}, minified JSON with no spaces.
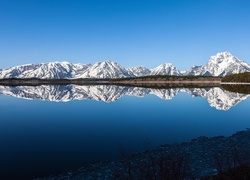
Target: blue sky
{"x":130,"y":32}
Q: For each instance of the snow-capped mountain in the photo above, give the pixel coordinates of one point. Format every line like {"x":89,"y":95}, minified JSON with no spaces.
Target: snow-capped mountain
{"x":165,"y":69}
{"x":57,"y":70}
{"x":216,"y":97}
{"x":223,"y":63}
{"x":139,"y":71}
{"x":106,"y":69}
{"x":51,"y":70}
{"x":194,"y":70}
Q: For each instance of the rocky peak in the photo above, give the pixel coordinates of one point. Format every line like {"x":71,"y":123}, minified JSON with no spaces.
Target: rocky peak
{"x":165,"y":69}
{"x":223,"y":57}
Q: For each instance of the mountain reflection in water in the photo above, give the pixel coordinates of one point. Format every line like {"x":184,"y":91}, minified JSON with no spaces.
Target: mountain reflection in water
{"x":216,"y":97}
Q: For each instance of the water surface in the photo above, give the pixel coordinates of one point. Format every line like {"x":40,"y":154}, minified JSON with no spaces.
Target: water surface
{"x":49,"y":129}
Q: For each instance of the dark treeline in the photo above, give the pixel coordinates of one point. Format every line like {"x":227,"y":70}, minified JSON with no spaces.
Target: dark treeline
{"x":169,"y":78}
{"x":168,"y":86}
{"x":241,"y":77}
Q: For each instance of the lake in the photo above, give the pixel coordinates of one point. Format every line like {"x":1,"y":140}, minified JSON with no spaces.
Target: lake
{"x":50,"y":129}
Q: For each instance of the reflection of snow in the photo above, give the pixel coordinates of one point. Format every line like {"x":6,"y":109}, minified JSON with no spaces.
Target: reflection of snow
{"x":216,"y":97}
{"x":165,"y":93}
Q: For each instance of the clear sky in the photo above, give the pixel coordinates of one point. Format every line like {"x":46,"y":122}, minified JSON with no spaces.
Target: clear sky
{"x":130,"y":32}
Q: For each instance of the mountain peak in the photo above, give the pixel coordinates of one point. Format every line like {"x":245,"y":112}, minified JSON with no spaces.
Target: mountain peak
{"x":108,"y":62}
{"x":225,"y":54}
{"x":139,"y":71}
{"x":221,"y":64}
{"x":167,"y":64}
{"x":166,"y":69}
{"x":106,"y":69}
{"x":223,"y":57}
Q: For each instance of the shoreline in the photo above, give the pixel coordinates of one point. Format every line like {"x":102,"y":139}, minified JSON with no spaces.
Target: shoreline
{"x":166,"y":82}
{"x":210,"y":81}
{"x":201,"y":157}
{"x":236,"y":83}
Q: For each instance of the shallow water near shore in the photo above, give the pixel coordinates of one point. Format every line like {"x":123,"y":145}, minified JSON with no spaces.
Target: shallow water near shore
{"x":50,"y":129}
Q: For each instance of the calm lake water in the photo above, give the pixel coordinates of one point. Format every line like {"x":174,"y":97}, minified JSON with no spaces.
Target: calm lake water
{"x":50,"y":129}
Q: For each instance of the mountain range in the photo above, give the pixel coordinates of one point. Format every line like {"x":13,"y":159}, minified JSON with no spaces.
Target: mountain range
{"x":223,"y":63}
{"x":216,"y":97}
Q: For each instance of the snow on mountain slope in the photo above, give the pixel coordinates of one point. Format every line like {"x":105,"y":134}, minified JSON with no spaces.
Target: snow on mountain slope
{"x":139,"y":71}
{"x":51,"y":70}
{"x":165,"y":69}
{"x":223,"y":63}
{"x":57,"y":70}
{"x":79,"y":69}
{"x":106,"y":69}
{"x":194,"y":70}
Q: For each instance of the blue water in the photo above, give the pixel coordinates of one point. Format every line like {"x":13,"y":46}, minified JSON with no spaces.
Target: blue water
{"x":39,"y":138}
